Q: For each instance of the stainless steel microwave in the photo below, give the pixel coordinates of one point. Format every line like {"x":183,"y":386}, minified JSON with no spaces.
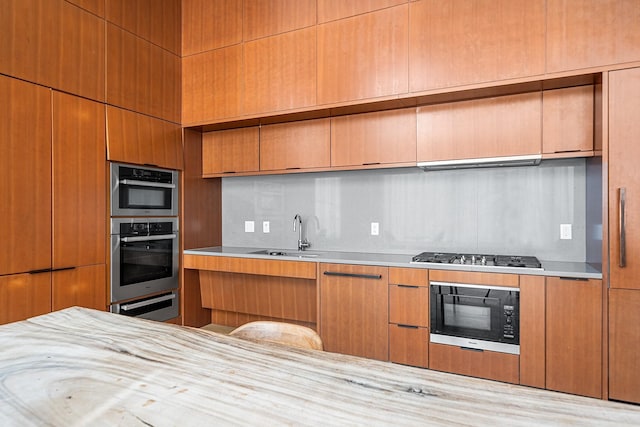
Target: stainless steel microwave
{"x":143,"y":191}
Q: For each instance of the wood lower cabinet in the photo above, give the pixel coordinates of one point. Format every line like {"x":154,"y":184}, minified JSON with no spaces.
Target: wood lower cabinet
{"x":83,"y":286}
{"x":230,"y":151}
{"x":354,"y":310}
{"x":384,"y":137}
{"x":532,"y":331}
{"x":24,"y":295}
{"x":567,"y":120}
{"x":624,"y":342}
{"x":409,"y":345}
{"x":476,"y":363}
{"x":298,"y":145}
{"x":491,"y":127}
{"x":574,"y":336}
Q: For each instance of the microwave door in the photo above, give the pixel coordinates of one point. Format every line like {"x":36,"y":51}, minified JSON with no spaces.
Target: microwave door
{"x":470,"y":316}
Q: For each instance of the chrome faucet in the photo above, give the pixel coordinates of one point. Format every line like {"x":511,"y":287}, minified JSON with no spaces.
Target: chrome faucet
{"x":302,"y":243}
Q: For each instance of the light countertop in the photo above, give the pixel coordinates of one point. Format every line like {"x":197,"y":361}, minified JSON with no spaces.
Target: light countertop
{"x":81,"y":367}
{"x":577,"y":270}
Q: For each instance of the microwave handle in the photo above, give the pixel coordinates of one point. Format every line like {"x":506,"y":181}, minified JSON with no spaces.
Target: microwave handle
{"x":146,"y":184}
{"x":133,"y":306}
{"x":147,"y":238}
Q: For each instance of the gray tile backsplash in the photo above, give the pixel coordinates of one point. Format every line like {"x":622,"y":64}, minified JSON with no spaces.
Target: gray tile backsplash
{"x":514,"y":210}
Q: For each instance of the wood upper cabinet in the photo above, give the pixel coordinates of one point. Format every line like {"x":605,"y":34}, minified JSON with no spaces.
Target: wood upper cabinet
{"x":568,"y":119}
{"x":140,"y":139}
{"x":481,"y":128}
{"x":374,"y":138}
{"x":354,"y":310}
{"x":574,"y":336}
{"x":79,"y":186}
{"x":24,"y":295}
{"x":230,"y":151}
{"x":280,"y":72}
{"x":624,"y":178}
{"x":298,"y":145}
{"x":624,"y":342}
{"x":591,"y":33}
{"x":83,"y":286}
{"x":25,"y":174}
{"x":352,"y":64}
{"x":54,"y":43}
{"x":454,"y":43}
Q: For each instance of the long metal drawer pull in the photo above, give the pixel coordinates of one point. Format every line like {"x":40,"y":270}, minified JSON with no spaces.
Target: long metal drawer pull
{"x":147,"y":238}
{"x":135,"y":305}
{"x":409,"y":286}
{"x":146,"y":184}
{"x":402,"y":325}
{"x":622,"y":200}
{"x":359,"y":276}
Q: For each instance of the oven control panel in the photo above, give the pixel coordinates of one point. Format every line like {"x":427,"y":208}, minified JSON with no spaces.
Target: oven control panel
{"x":509,"y":320}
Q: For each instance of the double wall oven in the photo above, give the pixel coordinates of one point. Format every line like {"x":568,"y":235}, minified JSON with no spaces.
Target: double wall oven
{"x":144,"y":242}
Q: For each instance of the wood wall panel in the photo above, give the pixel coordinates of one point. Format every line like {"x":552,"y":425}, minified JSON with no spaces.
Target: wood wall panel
{"x":353,"y":65}
{"x":409,"y":346}
{"x":279,"y":297}
{"x":280,"y":72}
{"x":79,"y":187}
{"x":568,"y":119}
{"x":212,"y":85}
{"x":193,"y":313}
{"x":264,"y":18}
{"x":298,"y":145}
{"x":231,"y":151}
{"x":53,"y":43}
{"x":96,"y":7}
{"x":262,"y":267}
{"x":483,"y":364}
{"x":140,"y":139}
{"x":582,"y":34}
{"x":330,"y":10}
{"x":157,"y":21}
{"x":624,"y":341}
{"x":142,"y":76}
{"x":462,"y":42}
{"x":490,"y":127}
{"x":532,"y":331}
{"x":84,"y":287}
{"x":208,"y":25}
{"x":25,"y":176}
{"x":23,"y":296}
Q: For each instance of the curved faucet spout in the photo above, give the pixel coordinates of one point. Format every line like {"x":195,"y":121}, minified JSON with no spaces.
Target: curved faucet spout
{"x":302,"y":243}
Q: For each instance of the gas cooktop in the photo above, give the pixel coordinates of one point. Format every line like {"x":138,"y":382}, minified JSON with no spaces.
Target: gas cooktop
{"x":477,"y":259}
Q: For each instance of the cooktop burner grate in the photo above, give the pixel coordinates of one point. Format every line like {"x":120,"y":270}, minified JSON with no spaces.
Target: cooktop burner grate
{"x":477,"y":259}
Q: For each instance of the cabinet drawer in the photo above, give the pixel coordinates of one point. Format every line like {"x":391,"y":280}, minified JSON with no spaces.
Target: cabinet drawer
{"x":408,"y":276}
{"x":409,"y":305}
{"x":409,"y":345}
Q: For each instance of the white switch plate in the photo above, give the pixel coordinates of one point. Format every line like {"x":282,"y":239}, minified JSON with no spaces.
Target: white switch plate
{"x":265,"y":226}
{"x":565,"y":231}
{"x":375,"y":228}
{"x":248,"y":226}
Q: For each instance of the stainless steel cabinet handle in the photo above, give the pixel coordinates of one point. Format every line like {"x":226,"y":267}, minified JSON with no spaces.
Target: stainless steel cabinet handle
{"x":135,"y":305}
{"x":146,"y":184}
{"x":622,"y":199}
{"x":359,"y":276}
{"x":147,"y":238}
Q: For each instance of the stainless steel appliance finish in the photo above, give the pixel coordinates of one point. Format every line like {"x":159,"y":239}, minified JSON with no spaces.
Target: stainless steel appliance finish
{"x":143,"y":191}
{"x":158,"y":307}
{"x":475,"y":316}
{"x":477,"y":260}
{"x":144,"y":256}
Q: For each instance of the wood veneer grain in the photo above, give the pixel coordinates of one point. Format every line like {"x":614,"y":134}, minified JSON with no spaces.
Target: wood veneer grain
{"x":264,"y":267}
{"x":24,"y":295}
{"x":495,"y":279}
{"x":83,"y":286}
{"x":208,"y":25}
{"x":262,"y":18}
{"x":298,"y":145}
{"x":532,"y":331}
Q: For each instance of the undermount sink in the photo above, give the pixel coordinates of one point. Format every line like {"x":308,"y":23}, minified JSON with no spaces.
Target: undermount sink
{"x":290,"y":253}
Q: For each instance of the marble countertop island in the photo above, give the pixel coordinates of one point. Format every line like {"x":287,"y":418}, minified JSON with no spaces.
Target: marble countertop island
{"x":80,"y":367}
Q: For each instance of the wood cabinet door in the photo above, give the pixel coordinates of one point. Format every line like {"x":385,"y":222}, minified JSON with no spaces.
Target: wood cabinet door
{"x":409,"y":305}
{"x":298,"y":145}
{"x":24,"y":295}
{"x":374,"y":138}
{"x":83,"y":286}
{"x":409,"y":345}
{"x":25,"y":176}
{"x":587,"y":34}
{"x":354,"y":310}
{"x":230,"y":151}
{"x":624,"y":342}
{"x":454,"y":43}
{"x":568,"y":119}
{"x":532,"y":331}
{"x":624,"y":178}
{"x":481,"y":128}
{"x":142,"y":140}
{"x":79,"y":181}
{"x":574,"y":336}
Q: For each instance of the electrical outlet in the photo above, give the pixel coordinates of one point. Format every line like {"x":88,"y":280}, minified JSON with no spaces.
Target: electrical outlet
{"x":565,"y":231}
{"x":265,"y":226}
{"x":375,"y":228}
{"x":249,"y":226}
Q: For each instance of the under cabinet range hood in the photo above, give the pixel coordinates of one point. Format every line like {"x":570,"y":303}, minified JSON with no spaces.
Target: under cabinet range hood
{"x":485,"y":162}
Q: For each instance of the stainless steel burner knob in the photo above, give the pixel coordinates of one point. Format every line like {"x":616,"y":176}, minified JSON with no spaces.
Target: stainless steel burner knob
{"x":483,"y":261}
{"x":473,"y":259}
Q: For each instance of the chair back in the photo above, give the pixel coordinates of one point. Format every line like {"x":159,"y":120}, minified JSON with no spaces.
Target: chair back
{"x":279,"y":332}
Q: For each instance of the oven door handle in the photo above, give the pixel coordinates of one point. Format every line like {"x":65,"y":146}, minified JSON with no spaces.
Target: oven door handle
{"x":133,"y":306}
{"x":146,"y":184}
{"x":147,"y":238}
